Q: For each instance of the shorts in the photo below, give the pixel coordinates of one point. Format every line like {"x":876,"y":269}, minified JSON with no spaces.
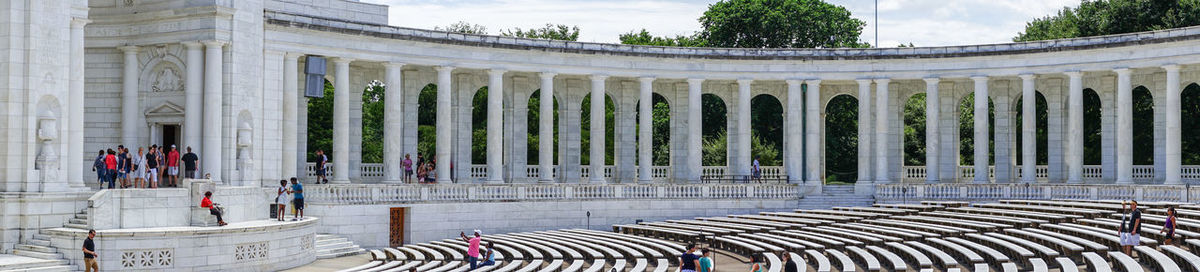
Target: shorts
{"x":120,"y":174}
{"x":136,"y":174}
{"x":408,"y":173}
{"x":320,"y":171}
{"x":152,"y":175}
{"x":298,"y":203}
{"x":281,"y":200}
{"x":172,"y":170}
{"x":189,"y":174}
{"x":1131,"y":239}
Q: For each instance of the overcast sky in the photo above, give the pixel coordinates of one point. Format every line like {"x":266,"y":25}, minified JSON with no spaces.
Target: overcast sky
{"x":921,"y":22}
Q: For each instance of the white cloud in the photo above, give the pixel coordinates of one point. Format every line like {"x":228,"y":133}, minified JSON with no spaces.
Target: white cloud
{"x":921,"y":22}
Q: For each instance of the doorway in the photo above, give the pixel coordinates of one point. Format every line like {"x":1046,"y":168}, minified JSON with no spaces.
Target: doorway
{"x":170,"y":135}
{"x":396,"y":226}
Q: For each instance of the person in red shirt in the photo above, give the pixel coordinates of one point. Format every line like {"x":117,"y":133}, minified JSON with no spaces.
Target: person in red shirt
{"x":212,"y":208}
{"x":173,"y":167}
{"x":110,"y":163}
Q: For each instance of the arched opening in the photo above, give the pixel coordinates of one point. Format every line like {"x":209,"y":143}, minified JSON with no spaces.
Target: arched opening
{"x":713,"y":123}
{"x":427,"y":122}
{"x":586,"y":130}
{"x":479,"y":116}
{"x":1092,"y":147}
{"x":914,"y":130}
{"x":534,"y":122}
{"x":841,"y":139}
{"x":320,"y":124}
{"x":372,"y":122}
{"x":966,"y":130}
{"x":766,"y":130}
{"x":660,"y":130}
{"x":1143,"y":126}
{"x":1189,"y":107}
{"x":1040,"y":135}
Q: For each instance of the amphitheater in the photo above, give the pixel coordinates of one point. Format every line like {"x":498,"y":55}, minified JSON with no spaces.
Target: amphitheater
{"x":227,"y":79}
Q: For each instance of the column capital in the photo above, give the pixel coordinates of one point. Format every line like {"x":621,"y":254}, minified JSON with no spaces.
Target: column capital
{"x":695,"y":80}
{"x":598,"y":77}
{"x":863,"y":81}
{"x":77,"y":22}
{"x":813,"y":82}
{"x":979,"y":78}
{"x":932,"y":80}
{"x":1123,"y":71}
{"x":646,"y":79}
{"x":496,"y":72}
{"x":340,"y":60}
{"x":745,"y":81}
{"x":292,"y":55}
{"x":1027,"y":76}
{"x":1172,"y":67}
{"x":214,"y":43}
{"x":882,"y":81}
{"x":444,"y":69}
{"x":193,"y":45}
{"x":547,"y":75}
{"x":1073,"y":74}
{"x":794,"y":81}
{"x":129,"y":49}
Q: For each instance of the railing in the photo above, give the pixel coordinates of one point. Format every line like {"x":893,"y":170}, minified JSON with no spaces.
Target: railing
{"x":1190,"y":172}
{"x":988,"y":192}
{"x":382,"y":193}
{"x":1040,"y":172}
{"x":1095,"y":172}
{"x":535,"y":171}
{"x":660,"y":172}
{"x":371,"y":170}
{"x":478,"y":171}
{"x":913,"y":174}
{"x":1143,"y":172}
{"x":968,"y":171}
{"x":585,"y":171}
{"x":713,"y":170}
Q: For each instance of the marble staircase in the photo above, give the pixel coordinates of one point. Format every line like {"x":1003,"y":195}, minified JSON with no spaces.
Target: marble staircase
{"x":333,"y":246}
{"x":36,"y":254}
{"x":834,"y":196}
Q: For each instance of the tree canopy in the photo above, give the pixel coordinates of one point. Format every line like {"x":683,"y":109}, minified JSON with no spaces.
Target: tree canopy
{"x":766,"y":24}
{"x":1104,"y":17}
{"x":548,"y":32}
{"x":463,"y":27}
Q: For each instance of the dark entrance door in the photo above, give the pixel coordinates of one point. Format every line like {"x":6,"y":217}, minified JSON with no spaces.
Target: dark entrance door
{"x":170,"y":136}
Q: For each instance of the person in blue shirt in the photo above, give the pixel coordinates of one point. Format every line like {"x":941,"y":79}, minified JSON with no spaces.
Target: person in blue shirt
{"x":297,"y":200}
{"x":490,"y":258}
{"x":706,"y":264}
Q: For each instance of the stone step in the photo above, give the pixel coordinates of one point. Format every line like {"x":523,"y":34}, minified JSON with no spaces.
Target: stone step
{"x":31,"y":263}
{"x":75,"y":226}
{"x":39,"y":236}
{"x":78,"y":221}
{"x":54,"y":268}
{"x":335,"y":254}
{"x":335,"y":245}
{"x":83,"y":216}
{"x":328,"y":241}
{"x":39,"y":242}
{"x":35,"y":254}
{"x":37,"y":248}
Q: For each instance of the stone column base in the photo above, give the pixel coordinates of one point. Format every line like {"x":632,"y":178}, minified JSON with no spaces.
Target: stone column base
{"x":864,"y":188}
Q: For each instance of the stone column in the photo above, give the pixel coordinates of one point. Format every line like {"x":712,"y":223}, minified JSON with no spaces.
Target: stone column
{"x":443,"y":124}
{"x":597,"y":130}
{"x":193,"y":115}
{"x":981,"y":129}
{"x":129,"y":97}
{"x":393,"y":122}
{"x":291,"y":97}
{"x":1028,"y":129}
{"x":213,"y":90}
{"x":1124,"y":142}
{"x":645,"y":128}
{"x":1173,"y":152}
{"x":932,"y":143}
{"x":812,"y":133}
{"x":495,"y":126}
{"x":1075,"y":128}
{"x":882,"y":121}
{"x":793,"y":131}
{"x":546,"y":128}
{"x":341,"y":120}
{"x":75,"y":103}
{"x":741,"y":160}
{"x":865,"y":131}
{"x":694,"y":131}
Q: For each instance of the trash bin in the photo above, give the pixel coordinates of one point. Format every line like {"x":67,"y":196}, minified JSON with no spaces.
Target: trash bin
{"x":274,"y":210}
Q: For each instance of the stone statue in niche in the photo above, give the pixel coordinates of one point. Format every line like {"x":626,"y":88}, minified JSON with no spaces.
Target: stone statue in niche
{"x":245,"y":158}
{"x":47,"y":158}
{"x":167,"y":80}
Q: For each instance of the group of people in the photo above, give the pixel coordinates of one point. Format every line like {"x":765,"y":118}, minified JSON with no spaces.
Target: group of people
{"x":1131,"y":224}
{"x":691,"y":262}
{"x":296,"y":190}
{"x":144,"y":169}
{"x":473,"y":252}
{"x":425,"y":169}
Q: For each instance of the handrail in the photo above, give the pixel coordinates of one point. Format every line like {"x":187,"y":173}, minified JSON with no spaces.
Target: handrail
{"x":396,"y":193}
{"x":993,"y":191}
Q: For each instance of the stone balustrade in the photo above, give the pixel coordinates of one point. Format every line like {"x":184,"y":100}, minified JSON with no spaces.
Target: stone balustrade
{"x":990,"y":192}
{"x":385,"y":193}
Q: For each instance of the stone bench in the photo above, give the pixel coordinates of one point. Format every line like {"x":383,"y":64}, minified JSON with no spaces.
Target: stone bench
{"x":1155,"y":260}
{"x":807,"y":222}
{"x":960,"y":253}
{"x":912,"y":256}
{"x":834,"y":218}
{"x":815,"y":259}
{"x":754,"y":222}
{"x":1096,"y":263}
{"x":1088,"y":245}
{"x":843,"y":261}
{"x":866,"y":215}
{"x":959,"y":223}
{"x":942,"y":260}
{"x":992,"y":256}
{"x":888,"y":231}
{"x":1187,"y":260}
{"x":941,"y":230}
{"x":1066,"y":265}
{"x":1039,"y":250}
{"x":855,"y":234}
{"x":1004,"y":221}
{"x":892,"y":211}
{"x":894,"y":262}
{"x":731,"y":226}
{"x":1124,"y":263}
{"x":865,"y":259}
{"x":1018,"y":254}
{"x":824,"y":240}
{"x":1065,"y":247}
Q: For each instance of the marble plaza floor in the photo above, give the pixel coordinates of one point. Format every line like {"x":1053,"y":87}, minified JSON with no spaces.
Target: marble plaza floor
{"x":14,"y":262}
{"x":334,"y":264}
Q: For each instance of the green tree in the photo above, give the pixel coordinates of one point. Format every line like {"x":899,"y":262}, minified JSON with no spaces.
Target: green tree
{"x":841,"y":139}
{"x":1104,"y":17}
{"x":533,"y":127}
{"x":966,"y":130}
{"x":914,"y":130}
{"x":320,"y":124}
{"x":662,"y":126}
{"x":372,"y":122}
{"x":644,"y":38}
{"x":780,"y":24}
{"x":463,"y":27}
{"x":766,"y":122}
{"x":548,"y":32}
{"x":713,"y":151}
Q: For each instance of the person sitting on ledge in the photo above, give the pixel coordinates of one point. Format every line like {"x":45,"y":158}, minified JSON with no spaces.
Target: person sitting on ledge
{"x":212,"y":207}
